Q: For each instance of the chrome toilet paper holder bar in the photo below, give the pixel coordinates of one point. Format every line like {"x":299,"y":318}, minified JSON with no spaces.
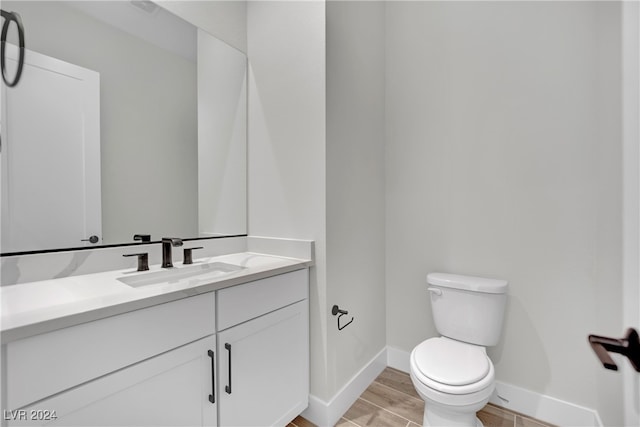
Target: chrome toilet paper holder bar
{"x":336,"y":310}
{"x":628,"y":346}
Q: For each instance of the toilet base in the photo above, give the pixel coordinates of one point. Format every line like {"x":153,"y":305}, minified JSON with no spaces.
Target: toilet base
{"x":437,"y":416}
{"x":478,"y":424}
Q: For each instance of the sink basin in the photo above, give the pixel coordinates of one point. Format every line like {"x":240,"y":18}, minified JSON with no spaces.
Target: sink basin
{"x":200,"y":272}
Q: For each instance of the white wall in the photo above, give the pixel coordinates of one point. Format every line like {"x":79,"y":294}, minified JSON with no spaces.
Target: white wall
{"x":326,"y":185}
{"x":503,"y":160}
{"x":222,"y":138}
{"x":226,"y":20}
{"x":355,"y":185}
{"x":286,"y":49}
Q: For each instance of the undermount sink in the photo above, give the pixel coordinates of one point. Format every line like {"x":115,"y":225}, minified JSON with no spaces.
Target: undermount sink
{"x":201,"y":272}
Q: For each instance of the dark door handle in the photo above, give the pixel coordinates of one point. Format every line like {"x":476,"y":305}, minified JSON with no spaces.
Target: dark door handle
{"x":91,"y":239}
{"x":227,"y":388}
{"x":628,"y":346}
{"x":212,"y":396}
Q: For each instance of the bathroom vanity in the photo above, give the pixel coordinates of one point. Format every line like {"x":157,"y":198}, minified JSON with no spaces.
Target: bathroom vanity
{"x":224,"y":341}
{"x":190,"y":346}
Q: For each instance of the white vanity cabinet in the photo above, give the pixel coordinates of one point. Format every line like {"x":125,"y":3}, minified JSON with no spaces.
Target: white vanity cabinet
{"x":263,"y":351}
{"x":236,"y":356}
{"x":171,"y":389}
{"x":147,"y":367}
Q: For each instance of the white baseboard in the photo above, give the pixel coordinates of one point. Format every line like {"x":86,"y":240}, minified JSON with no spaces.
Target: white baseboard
{"x":543,"y":407}
{"x":398,"y":359}
{"x":324,"y":413}
{"x":526,"y":402}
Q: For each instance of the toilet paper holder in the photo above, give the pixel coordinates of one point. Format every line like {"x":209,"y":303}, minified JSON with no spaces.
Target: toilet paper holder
{"x":336,"y":310}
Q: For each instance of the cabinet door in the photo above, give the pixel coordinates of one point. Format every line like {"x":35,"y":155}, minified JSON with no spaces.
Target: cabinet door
{"x":264,"y":368}
{"x":172,"y":389}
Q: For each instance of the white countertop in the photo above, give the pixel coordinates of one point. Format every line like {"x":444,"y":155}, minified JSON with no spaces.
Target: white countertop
{"x":32,"y":308}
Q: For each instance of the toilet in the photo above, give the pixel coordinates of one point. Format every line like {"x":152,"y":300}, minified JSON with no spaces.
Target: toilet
{"x":453,"y":373}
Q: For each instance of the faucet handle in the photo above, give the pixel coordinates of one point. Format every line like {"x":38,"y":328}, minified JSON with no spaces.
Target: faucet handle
{"x":143,"y":260}
{"x":188,"y":258}
{"x":142,"y":237}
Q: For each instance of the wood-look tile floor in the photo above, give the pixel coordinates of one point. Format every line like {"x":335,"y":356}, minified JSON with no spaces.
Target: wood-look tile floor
{"x":391,"y":401}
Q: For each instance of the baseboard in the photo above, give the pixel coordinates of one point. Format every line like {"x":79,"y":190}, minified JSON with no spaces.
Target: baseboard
{"x":543,"y":407}
{"x":398,"y":359}
{"x":526,"y":402}
{"x":324,"y":413}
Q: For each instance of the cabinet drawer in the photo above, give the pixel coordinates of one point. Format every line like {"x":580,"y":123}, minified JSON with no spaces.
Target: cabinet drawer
{"x":42,"y":365}
{"x":250,"y":300}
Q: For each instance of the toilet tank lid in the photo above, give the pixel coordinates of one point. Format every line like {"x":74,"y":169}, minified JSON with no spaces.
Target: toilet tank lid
{"x":468,"y":283}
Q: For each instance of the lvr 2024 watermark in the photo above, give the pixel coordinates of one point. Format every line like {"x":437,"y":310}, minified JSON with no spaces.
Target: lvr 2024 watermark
{"x":29,"y":415}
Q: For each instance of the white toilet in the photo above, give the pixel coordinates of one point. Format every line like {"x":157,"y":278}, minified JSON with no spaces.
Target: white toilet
{"x":453,"y":373}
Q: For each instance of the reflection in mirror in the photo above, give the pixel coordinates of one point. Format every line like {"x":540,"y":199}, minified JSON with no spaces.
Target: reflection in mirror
{"x":126,"y":121}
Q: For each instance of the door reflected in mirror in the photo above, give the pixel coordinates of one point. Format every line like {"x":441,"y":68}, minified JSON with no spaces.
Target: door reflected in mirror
{"x":125,"y":122}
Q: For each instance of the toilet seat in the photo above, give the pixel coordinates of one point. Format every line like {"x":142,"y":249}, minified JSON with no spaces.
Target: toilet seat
{"x":451,"y":362}
{"x":451,"y":366}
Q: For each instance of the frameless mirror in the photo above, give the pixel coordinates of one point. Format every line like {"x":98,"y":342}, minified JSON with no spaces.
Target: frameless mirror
{"x":127,"y":121}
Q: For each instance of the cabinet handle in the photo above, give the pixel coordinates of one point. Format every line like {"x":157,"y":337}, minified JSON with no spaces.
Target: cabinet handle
{"x":227,"y":388}
{"x":212,"y":397}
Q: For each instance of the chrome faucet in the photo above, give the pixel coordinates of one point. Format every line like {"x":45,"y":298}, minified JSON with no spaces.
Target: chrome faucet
{"x":167,"y":243}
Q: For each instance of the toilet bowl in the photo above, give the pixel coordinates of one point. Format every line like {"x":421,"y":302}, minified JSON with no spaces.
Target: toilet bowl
{"x":453,"y":373}
{"x":456,"y":386}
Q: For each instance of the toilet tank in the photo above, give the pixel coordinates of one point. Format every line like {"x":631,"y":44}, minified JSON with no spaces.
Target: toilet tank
{"x":466,"y":308}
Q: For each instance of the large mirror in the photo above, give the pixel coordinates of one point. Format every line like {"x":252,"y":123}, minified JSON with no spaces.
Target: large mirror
{"x":127,"y":121}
